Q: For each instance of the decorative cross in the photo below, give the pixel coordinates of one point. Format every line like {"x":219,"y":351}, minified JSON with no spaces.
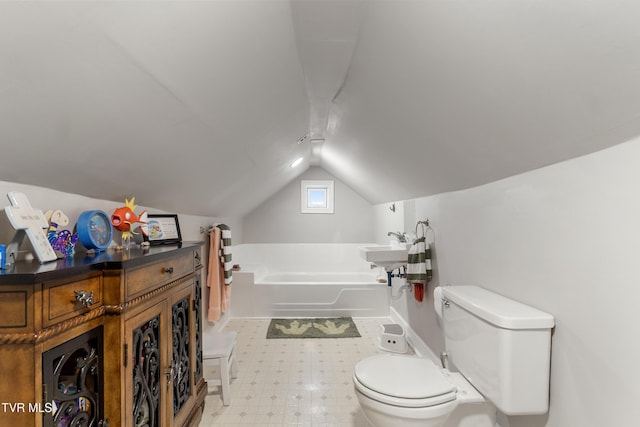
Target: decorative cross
{"x":26,"y":219}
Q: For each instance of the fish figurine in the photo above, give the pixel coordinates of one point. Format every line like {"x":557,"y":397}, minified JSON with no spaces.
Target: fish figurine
{"x":124,"y":217}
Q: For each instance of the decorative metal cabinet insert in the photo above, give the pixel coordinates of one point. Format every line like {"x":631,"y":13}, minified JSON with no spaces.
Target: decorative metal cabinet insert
{"x":73,"y":382}
{"x":146,"y":373}
{"x":181,"y":362}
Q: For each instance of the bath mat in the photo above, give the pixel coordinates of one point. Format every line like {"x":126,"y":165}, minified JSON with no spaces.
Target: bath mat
{"x":335,"y":327}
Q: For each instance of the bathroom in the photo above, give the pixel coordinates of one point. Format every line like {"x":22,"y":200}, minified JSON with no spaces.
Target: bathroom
{"x":560,"y":238}
{"x":530,"y":188}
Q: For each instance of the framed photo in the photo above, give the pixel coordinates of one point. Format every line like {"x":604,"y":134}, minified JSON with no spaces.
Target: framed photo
{"x":163,"y":229}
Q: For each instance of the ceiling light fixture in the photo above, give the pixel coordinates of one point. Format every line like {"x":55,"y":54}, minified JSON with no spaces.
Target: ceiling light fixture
{"x":296,"y":162}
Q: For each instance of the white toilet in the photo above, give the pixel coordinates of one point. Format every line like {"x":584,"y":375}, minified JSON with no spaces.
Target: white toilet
{"x":498,"y":353}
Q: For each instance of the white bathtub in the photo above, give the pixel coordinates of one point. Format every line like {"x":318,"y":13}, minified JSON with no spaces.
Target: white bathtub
{"x":304,"y":280}
{"x":317,"y":278}
{"x":320,"y":295}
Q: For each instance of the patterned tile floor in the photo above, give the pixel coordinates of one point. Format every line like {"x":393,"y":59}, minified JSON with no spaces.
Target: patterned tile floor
{"x":293,"y":382}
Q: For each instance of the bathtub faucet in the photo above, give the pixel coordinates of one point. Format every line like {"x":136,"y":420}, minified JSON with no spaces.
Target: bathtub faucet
{"x":402,"y":237}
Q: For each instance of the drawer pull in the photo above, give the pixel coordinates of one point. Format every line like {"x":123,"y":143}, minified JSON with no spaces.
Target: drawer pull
{"x":84,"y":297}
{"x":168,"y":270}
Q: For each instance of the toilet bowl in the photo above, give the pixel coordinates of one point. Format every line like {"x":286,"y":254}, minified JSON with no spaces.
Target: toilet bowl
{"x":501,"y":346}
{"x":406,"y":391}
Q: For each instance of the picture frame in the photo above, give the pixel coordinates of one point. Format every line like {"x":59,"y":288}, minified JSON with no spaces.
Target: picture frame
{"x":163,"y":229}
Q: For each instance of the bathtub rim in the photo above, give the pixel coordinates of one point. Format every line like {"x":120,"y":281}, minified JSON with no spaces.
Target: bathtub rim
{"x":263,"y":279}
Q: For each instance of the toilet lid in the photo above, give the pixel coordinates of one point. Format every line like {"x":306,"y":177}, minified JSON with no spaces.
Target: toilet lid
{"x":405,"y":377}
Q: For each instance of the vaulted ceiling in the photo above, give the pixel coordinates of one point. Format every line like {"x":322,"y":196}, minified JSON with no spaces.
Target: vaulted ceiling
{"x":200,"y":106}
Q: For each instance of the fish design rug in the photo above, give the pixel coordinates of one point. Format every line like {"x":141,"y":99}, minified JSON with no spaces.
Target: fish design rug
{"x":335,"y":327}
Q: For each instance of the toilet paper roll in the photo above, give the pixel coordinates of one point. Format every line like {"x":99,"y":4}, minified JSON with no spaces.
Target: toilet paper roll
{"x":437,"y":300}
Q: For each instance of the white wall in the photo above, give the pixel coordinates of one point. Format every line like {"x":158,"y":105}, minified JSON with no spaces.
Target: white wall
{"x":73,"y":205}
{"x":385,"y":220}
{"x":563,"y":239}
{"x":278,"y":220}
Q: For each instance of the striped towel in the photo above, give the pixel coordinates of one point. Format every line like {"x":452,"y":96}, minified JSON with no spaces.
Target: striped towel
{"x":225,"y":253}
{"x":419,"y":262}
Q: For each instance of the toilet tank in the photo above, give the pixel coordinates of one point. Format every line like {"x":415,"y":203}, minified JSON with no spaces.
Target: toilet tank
{"x":501,"y":346}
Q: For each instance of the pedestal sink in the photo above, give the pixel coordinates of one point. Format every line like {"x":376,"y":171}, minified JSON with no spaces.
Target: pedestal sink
{"x":389,"y":256}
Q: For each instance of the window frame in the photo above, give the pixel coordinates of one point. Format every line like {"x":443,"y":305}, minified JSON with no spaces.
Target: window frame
{"x":305,"y":203}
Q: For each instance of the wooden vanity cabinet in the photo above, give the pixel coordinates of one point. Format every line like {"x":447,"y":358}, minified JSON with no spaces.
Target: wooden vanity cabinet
{"x":126,"y":352}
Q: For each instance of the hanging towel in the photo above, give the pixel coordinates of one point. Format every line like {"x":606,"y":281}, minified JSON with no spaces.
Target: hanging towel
{"x":215,"y":276}
{"x":419,"y":267}
{"x":225,"y":253}
{"x":217,"y":281}
{"x":419,"y":262}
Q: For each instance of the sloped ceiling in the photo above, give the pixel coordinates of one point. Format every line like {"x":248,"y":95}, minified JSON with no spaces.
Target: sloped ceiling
{"x":193,"y":107}
{"x":197,"y":106}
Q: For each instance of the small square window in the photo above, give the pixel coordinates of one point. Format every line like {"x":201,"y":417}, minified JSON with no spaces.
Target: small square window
{"x":317,"y":197}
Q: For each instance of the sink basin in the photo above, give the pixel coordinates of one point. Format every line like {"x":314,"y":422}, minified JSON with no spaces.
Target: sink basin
{"x":387,"y":256}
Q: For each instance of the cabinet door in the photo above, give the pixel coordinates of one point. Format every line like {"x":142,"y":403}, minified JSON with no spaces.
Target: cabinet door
{"x":145,"y":380}
{"x":72,"y":376}
{"x":182,"y":353}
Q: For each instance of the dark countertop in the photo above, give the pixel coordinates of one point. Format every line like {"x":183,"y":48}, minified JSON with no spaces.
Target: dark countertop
{"x":32,"y":272}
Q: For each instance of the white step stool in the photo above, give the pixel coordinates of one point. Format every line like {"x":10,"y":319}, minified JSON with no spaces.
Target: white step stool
{"x":392,"y":338}
{"x":219,"y":349}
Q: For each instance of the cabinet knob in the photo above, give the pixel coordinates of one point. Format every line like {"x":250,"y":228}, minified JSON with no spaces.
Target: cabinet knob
{"x":170,"y":373}
{"x":168,"y":270}
{"x":84,"y":297}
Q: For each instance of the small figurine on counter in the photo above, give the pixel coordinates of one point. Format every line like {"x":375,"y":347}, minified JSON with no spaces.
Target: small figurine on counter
{"x":63,"y":242}
{"x":123,"y":218}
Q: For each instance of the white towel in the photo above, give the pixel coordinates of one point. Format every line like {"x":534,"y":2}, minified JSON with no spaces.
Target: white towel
{"x":419,"y":262}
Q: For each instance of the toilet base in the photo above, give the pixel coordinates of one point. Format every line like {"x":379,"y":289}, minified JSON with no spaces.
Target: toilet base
{"x":381,"y":415}
{"x":451,"y":414}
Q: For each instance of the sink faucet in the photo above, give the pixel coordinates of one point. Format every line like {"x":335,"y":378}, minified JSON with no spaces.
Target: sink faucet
{"x":402,"y":237}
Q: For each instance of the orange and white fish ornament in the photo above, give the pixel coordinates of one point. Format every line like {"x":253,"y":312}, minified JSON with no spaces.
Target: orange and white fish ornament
{"x":123,"y":218}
